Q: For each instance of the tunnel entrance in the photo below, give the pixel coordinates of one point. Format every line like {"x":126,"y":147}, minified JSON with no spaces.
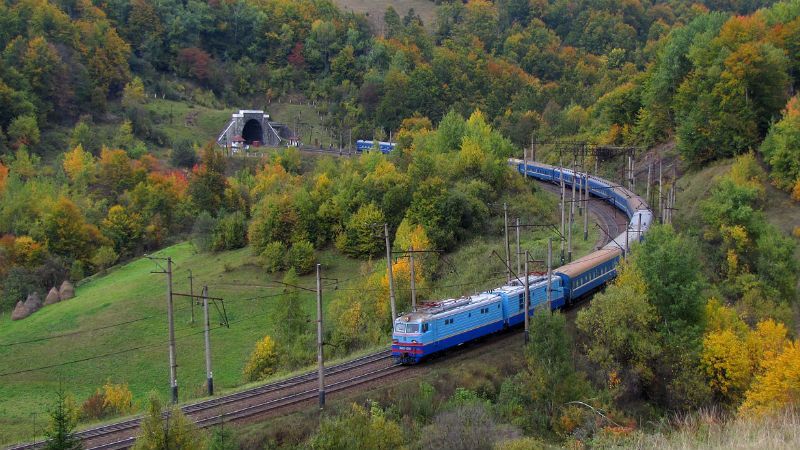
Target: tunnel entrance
{"x":252,"y":131}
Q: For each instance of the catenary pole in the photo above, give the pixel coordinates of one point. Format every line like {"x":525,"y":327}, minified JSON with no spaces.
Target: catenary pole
{"x":660,"y":195}
{"x":563,"y":203}
{"x":320,"y":357}
{"x":508,"y":249}
{"x":207,"y":335}
{"x":191,"y":293}
{"x":549,"y":273}
{"x":519,"y":268}
{"x":586,"y":191}
{"x":389,"y":271}
{"x":173,"y":367}
{"x":649,"y":180}
{"x":413,"y":279}
{"x":571,"y":214}
{"x":527,"y":300}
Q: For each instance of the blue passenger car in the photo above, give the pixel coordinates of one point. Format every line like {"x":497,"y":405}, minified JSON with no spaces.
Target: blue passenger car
{"x":365,"y":146}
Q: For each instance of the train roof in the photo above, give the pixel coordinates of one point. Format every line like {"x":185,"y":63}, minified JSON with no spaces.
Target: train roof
{"x":589,"y":261}
{"x":442,"y":308}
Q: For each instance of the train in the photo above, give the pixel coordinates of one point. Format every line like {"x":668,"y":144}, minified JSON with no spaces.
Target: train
{"x":365,"y":146}
{"x":437,"y":326}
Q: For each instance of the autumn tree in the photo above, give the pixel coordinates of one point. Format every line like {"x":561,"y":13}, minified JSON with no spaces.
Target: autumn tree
{"x":358,"y":237}
{"x":79,"y":165}
{"x":780,"y":147}
{"x":263,"y":361}
{"x":207,"y":183}
{"x":164,"y":428}
{"x":125,"y":228}
{"x":358,"y":428}
{"x":620,"y":330}
{"x":67,"y":232}
{"x":779,"y":385}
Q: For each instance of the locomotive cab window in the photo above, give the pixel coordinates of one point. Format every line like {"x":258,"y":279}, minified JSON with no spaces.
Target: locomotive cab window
{"x":424,"y":327}
{"x":412,"y":328}
{"x":400,"y":328}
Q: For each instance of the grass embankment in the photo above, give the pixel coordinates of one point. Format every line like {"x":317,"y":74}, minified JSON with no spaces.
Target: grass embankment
{"x":133,"y":294}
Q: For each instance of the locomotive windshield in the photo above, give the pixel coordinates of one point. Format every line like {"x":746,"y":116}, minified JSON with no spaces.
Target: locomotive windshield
{"x":407,"y":328}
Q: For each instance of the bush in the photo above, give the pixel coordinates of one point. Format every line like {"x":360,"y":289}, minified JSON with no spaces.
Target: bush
{"x":230,"y":232}
{"x":263,"y":361}
{"x":272,"y":257}
{"x":202,"y":231}
{"x":301,"y":257}
{"x":104,"y":258}
{"x":183,"y":154}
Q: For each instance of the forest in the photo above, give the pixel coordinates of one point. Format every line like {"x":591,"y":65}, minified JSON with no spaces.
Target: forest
{"x":704,"y":313}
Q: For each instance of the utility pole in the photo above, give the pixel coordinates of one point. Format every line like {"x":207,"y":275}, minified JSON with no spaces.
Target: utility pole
{"x":191,"y":293}
{"x":660,"y":198}
{"x":549,"y":273}
{"x":571,"y":214}
{"x":525,"y":163}
{"x":209,"y":373}
{"x":413,"y":279}
{"x":563,"y":203}
{"x":519,"y":267}
{"x":508,"y":249}
{"x":649,"y":180}
{"x":320,"y":359}
{"x":173,"y":367}
{"x":527,"y":300}
{"x":586,"y":207}
{"x":389,"y":269}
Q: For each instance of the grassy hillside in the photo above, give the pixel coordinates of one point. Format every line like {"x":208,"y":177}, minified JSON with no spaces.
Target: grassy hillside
{"x":374,"y":10}
{"x":133,"y":293}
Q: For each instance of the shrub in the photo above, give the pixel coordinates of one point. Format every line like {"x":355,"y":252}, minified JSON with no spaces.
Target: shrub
{"x":263,"y":360}
{"x":230,"y":232}
{"x":301,"y":257}
{"x":104,"y":258}
{"x":183,"y":154}
{"x":272,"y":257}
{"x":202,"y":231}
{"x":95,"y":406}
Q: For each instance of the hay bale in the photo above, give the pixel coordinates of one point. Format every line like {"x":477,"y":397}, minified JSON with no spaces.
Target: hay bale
{"x":20,"y":311}
{"x":33,"y":302}
{"x":67,"y":291}
{"x":52,"y":297}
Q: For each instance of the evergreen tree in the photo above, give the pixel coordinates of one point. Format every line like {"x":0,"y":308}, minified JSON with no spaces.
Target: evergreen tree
{"x":60,"y":434}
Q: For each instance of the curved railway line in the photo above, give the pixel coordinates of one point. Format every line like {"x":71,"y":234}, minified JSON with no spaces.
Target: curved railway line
{"x":283,"y":395}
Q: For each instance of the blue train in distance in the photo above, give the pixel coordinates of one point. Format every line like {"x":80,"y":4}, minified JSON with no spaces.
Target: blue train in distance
{"x":365,"y":146}
{"x":437,"y":326}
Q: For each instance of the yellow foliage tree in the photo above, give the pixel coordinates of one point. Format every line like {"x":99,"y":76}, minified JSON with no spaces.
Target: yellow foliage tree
{"x":779,"y":385}
{"x":765,"y":343}
{"x":79,"y":165}
{"x":118,"y":397}
{"x":727,"y":363}
{"x":263,"y":361}
{"x":720,"y":317}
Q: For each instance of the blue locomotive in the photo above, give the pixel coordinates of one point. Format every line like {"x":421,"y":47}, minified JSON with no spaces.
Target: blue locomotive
{"x":365,"y":146}
{"x":437,"y":326}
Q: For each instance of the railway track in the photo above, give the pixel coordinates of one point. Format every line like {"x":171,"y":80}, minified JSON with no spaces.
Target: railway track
{"x":249,"y":403}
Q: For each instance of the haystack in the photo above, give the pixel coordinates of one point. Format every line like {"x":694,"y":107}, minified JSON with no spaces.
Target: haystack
{"x":52,"y":297}
{"x":67,"y":291}
{"x":20,"y":312}
{"x":33,"y":302}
